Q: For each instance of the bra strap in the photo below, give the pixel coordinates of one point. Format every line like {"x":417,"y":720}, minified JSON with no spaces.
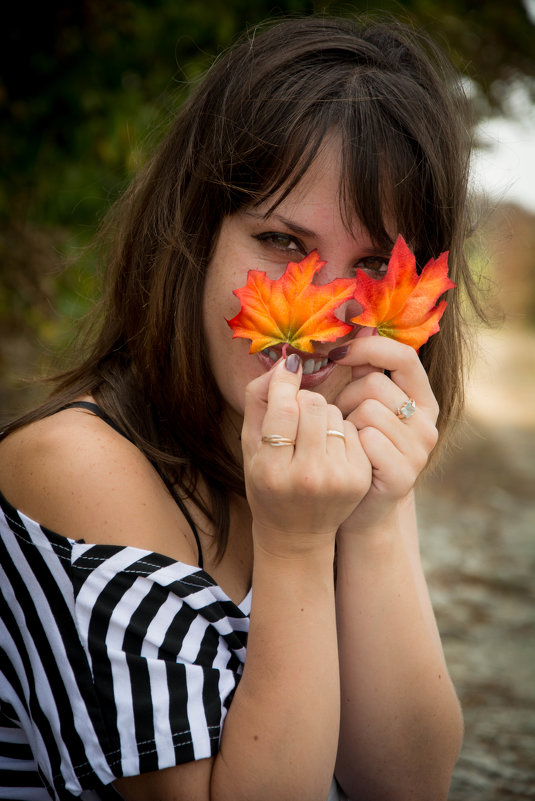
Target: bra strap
{"x":92,"y":407}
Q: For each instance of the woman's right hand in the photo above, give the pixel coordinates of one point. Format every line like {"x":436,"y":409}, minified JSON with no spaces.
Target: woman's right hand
{"x":298,"y":495}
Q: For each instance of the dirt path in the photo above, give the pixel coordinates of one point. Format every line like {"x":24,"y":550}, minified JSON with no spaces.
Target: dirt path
{"x":477,"y":520}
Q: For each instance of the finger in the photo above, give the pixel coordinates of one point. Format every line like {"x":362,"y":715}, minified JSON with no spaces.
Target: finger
{"x":357,"y":461}
{"x":379,"y":387}
{"x":402,"y":363}
{"x":358,"y":370}
{"x":335,"y":434}
{"x":312,"y":426}
{"x":256,"y":405}
{"x":372,"y":413}
{"x":256,"y":400}
{"x":414,"y":439}
{"x":391,"y":469}
{"x":282,"y":412}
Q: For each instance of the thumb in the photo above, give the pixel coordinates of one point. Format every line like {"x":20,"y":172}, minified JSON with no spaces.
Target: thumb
{"x":257,"y":396}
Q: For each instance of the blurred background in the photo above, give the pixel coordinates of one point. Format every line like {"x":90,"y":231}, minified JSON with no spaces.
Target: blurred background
{"x":87,"y":87}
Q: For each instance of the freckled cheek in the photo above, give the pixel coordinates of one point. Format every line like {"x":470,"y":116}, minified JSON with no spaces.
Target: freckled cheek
{"x":232,"y":365}
{"x":219,"y":298}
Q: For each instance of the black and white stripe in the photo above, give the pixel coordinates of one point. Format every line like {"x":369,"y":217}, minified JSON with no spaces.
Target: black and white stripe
{"x":113,"y":661}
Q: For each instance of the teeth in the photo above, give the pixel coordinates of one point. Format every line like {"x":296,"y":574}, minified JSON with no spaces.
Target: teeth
{"x":312,"y":366}
{"x":273,"y":355}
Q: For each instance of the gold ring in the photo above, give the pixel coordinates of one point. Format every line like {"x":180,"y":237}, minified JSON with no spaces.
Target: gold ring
{"x":406,"y":409}
{"x":276,"y":441}
{"x":331,"y":432}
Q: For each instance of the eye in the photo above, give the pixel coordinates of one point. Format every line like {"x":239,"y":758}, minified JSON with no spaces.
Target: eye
{"x":285,"y":243}
{"x":374,"y":266}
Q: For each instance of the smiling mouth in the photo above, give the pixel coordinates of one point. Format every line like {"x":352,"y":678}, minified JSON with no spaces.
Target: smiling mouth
{"x":310,"y":365}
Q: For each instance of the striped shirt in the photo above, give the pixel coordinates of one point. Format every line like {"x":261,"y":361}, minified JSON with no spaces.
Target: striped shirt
{"x":114,"y":661}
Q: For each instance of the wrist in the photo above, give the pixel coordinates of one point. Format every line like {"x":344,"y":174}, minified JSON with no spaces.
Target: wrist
{"x":380,"y":524}
{"x":362,"y":528}
{"x":296,"y":588}
{"x":282,"y":545}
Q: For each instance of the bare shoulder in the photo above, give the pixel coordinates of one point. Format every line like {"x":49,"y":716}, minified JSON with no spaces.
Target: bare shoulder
{"x":76,"y":475}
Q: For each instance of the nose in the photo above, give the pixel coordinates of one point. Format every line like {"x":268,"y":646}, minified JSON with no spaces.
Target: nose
{"x":330,"y":272}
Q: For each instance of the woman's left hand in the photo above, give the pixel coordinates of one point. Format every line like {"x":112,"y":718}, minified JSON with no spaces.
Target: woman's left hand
{"x":398,"y":449}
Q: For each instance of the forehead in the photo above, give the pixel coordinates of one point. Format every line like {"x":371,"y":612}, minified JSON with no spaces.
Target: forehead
{"x":322,"y":197}
{"x":319,"y":187}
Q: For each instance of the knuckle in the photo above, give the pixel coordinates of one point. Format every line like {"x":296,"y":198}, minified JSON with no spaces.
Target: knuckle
{"x":420,"y":457}
{"x":411,"y":355}
{"x":370,"y":437}
{"x":311,"y":483}
{"x":367,"y":408}
{"x":311,"y":400}
{"x":334,"y":412}
{"x":375,"y":382}
{"x":433,"y":436}
{"x":429,"y":436}
{"x":287,"y":409}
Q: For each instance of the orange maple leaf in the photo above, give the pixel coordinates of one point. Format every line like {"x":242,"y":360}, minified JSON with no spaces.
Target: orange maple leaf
{"x":291,"y":309}
{"x":403,"y":304}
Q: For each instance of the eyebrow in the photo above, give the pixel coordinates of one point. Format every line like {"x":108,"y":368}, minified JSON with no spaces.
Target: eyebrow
{"x":293,"y":226}
{"x":302,"y":231}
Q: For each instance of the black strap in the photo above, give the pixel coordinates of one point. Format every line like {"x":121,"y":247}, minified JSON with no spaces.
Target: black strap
{"x":92,"y":407}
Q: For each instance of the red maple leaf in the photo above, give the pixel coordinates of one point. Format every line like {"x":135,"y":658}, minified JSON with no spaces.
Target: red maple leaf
{"x":291,"y":309}
{"x":403,"y":304}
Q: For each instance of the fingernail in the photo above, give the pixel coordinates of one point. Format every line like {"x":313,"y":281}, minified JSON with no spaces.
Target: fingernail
{"x":338,"y":353}
{"x":292,"y":362}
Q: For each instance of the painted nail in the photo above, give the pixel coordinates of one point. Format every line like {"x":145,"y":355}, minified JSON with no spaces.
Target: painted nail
{"x":292,"y":362}
{"x":338,"y":353}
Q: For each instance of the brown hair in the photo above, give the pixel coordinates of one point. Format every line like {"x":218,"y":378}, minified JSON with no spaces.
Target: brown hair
{"x":252,"y":127}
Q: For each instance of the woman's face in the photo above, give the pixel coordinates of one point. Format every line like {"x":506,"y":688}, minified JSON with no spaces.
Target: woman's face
{"x":308,"y":218}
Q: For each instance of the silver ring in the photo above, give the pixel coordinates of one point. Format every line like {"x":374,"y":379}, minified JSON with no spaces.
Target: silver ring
{"x":331,"y":432}
{"x":277,"y":441}
{"x":406,"y":409}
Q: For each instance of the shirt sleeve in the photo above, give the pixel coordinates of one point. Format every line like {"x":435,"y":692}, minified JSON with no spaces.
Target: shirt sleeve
{"x":166,"y":649}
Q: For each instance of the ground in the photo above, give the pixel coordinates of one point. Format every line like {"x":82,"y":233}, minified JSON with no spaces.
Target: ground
{"x":477,"y":522}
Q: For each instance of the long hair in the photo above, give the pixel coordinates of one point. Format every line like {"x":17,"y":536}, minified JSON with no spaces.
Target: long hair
{"x":250,"y":129}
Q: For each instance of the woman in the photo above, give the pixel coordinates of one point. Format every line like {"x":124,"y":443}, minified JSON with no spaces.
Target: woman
{"x":148,"y":495}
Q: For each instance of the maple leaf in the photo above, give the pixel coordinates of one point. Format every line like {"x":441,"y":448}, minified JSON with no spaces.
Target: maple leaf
{"x":291,"y":309}
{"x":403,"y":304}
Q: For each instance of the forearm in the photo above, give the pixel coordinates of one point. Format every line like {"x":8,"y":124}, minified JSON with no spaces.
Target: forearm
{"x":280,"y":736}
{"x":400,"y":719}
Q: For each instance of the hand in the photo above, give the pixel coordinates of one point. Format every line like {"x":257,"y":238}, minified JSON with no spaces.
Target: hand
{"x":398,"y":450}
{"x":299,"y":495}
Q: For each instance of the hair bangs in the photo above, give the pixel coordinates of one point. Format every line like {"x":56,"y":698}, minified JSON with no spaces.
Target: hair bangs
{"x":286,"y":143}
{"x":389,"y":178}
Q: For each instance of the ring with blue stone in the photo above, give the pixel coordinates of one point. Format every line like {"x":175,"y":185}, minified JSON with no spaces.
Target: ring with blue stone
{"x":406,"y":409}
